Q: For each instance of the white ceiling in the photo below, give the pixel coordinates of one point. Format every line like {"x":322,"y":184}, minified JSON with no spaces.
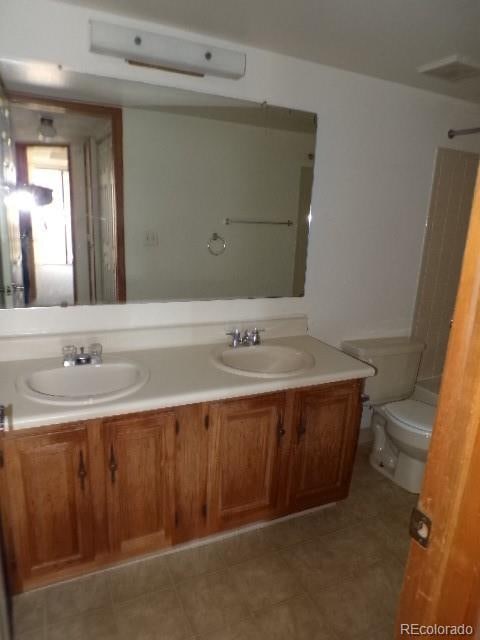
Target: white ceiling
{"x":388,"y":39}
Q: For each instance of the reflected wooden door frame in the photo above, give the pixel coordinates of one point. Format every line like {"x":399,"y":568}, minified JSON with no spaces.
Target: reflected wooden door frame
{"x":115,"y":115}
{"x":442,"y":580}
{"x":21,"y":161}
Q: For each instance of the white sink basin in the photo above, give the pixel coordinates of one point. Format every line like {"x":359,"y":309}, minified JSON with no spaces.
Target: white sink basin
{"x":263,"y":361}
{"x":84,"y":384}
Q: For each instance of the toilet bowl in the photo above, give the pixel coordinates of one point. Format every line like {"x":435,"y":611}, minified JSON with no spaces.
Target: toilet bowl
{"x":403,"y":416}
{"x":402,"y":433}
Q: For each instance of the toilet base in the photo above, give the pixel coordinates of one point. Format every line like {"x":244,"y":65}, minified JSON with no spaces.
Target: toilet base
{"x":402,"y":469}
{"x":408,"y":473}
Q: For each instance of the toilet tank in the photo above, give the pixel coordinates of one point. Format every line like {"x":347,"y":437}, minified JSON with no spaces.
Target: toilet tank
{"x":396,"y":361}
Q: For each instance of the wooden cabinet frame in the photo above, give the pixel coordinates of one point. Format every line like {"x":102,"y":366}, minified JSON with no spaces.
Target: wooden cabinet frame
{"x":159,"y":478}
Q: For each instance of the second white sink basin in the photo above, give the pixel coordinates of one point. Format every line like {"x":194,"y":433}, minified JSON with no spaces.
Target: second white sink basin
{"x":263,"y":361}
{"x":84,"y":384}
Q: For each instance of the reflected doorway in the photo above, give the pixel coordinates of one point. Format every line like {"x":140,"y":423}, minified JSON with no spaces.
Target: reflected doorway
{"x":46,"y":231}
{"x":66,"y":249}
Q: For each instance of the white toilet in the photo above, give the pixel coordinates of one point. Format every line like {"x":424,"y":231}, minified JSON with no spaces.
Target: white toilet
{"x":402,"y":420}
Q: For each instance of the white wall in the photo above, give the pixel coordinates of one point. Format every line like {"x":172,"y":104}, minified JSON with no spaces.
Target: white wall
{"x":183,"y":176}
{"x":374,"y":163}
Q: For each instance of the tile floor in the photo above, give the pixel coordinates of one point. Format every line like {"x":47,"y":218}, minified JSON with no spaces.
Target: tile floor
{"x":333,"y":574}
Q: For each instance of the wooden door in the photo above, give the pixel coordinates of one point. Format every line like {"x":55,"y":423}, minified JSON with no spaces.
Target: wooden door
{"x":324,"y":442}
{"x":139,"y":453}
{"x":442,"y":580}
{"x":246,"y":439}
{"x":48,"y":480}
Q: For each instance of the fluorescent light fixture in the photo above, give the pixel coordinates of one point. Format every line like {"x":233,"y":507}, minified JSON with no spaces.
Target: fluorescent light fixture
{"x":165,"y":52}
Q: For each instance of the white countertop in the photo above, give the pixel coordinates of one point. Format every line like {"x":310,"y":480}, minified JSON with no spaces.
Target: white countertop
{"x":178,"y":376}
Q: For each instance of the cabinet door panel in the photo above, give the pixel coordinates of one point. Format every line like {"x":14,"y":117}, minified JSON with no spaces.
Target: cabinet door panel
{"x":326,"y":439}
{"x":139,"y":455}
{"x":48,"y":479}
{"x":245,"y":456}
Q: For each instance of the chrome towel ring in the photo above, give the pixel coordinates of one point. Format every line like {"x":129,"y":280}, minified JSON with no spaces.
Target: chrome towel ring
{"x":216,"y":245}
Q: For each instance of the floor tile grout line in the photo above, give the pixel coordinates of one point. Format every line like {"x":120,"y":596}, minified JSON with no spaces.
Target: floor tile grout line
{"x":253,"y":611}
{"x":45,"y":618}
{"x":72,"y":582}
{"x":112,"y":604}
{"x":272,"y":605}
{"x":329,"y":628}
{"x":225,"y":570}
{"x":181,"y":604}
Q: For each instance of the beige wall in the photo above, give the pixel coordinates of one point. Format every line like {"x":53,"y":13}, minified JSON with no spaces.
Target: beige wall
{"x":447,"y":226}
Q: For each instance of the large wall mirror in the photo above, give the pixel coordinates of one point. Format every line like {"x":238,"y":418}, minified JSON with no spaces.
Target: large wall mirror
{"x":117,"y":191}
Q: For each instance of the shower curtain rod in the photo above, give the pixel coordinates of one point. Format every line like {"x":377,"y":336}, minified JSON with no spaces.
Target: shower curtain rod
{"x":462,"y":132}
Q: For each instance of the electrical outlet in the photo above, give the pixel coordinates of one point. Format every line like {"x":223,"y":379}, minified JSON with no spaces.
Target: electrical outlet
{"x":150,"y":238}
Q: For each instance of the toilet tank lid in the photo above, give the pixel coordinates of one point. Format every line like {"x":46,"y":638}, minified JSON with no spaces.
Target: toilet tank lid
{"x":369,"y":347}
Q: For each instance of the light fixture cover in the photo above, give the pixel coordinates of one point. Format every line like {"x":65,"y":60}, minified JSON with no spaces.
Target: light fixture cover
{"x":165,"y":52}
{"x":46,"y":130}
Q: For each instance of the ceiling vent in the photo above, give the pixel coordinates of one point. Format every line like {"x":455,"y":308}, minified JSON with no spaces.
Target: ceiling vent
{"x":452,"y":69}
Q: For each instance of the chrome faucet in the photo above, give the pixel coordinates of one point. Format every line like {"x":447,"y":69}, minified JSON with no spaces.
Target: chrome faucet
{"x":72,"y":358}
{"x":82,"y":357}
{"x":236,"y":336}
{"x":251,"y":337}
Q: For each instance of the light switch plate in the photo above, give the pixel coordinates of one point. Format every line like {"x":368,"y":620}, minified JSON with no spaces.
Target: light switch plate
{"x":150,"y":238}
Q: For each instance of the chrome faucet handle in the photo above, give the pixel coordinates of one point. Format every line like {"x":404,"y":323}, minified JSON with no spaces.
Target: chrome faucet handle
{"x":236,"y":337}
{"x":69,"y":352}
{"x":255,"y":336}
{"x":95,"y":351}
{"x":82,"y":357}
{"x":247,"y":338}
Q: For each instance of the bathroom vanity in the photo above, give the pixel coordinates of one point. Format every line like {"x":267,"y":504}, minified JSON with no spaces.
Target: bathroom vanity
{"x":111,"y":483}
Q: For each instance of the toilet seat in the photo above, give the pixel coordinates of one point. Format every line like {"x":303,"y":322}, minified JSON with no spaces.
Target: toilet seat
{"x":412,"y":414}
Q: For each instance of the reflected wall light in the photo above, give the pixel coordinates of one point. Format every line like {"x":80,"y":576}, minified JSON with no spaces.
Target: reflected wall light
{"x":25,"y":197}
{"x":46,"y":130}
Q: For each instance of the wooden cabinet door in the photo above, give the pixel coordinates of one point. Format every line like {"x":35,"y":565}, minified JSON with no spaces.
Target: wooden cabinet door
{"x":324,"y":442}
{"x":246,"y":439}
{"x":49,"y":501}
{"x":139,"y":465}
